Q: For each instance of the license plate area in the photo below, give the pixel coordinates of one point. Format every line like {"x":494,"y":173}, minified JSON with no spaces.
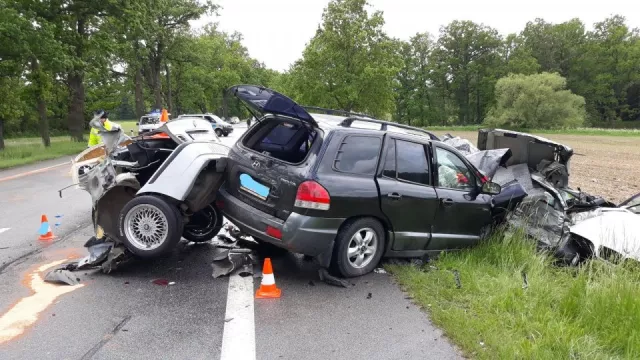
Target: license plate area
{"x":249,"y":185}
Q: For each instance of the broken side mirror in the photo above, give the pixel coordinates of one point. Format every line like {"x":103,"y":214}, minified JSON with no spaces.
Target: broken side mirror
{"x":491,"y":188}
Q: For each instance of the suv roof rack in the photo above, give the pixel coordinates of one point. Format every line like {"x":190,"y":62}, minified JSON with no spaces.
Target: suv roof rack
{"x":336,"y":112}
{"x":385,"y":124}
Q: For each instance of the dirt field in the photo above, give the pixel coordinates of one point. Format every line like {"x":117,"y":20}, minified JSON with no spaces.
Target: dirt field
{"x":608,"y":166}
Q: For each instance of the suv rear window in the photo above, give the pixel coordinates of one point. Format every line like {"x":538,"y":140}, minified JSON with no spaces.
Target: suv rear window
{"x":281,"y":134}
{"x":358,"y":155}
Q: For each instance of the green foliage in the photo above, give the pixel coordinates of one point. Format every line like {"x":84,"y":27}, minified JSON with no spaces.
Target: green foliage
{"x":564,"y":313}
{"x":538,"y":101}
{"x":20,"y":152}
{"x":350,"y":63}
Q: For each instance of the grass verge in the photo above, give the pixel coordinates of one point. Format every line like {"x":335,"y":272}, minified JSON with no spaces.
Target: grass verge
{"x":591,"y":312}
{"x":24,"y":151}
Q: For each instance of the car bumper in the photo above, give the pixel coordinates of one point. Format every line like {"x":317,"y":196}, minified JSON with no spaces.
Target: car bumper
{"x":301,"y":234}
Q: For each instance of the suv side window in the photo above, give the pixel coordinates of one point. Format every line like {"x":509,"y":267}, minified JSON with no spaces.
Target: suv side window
{"x":406,"y":161}
{"x":358,"y":155}
{"x":211,"y":120}
{"x":412,"y":164}
{"x":453,"y":173}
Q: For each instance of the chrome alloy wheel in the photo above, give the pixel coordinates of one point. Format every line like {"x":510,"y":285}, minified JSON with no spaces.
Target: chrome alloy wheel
{"x":362,"y":248}
{"x":146,"y":227}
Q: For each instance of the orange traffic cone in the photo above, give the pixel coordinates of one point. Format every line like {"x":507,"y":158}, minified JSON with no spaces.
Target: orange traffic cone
{"x":268,"y":289}
{"x":164,"y":117}
{"x":45,"y":230}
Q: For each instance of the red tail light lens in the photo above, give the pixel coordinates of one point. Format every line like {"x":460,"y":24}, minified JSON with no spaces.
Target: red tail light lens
{"x":312,"y":195}
{"x":273,"y":232}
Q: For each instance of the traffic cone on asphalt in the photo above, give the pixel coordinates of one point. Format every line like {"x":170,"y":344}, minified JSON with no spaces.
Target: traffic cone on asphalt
{"x":45,"y":229}
{"x":268,"y":288}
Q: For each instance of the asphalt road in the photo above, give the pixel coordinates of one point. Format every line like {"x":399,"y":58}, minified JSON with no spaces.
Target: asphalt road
{"x":124,"y":315}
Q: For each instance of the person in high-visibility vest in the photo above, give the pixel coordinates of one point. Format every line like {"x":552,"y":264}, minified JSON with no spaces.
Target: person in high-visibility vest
{"x":94,"y":135}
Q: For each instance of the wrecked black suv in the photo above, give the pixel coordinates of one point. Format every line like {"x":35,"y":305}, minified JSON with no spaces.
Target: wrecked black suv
{"x":345,"y":194}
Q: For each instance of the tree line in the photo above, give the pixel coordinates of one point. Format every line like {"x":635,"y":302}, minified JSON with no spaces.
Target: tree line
{"x":62,"y":59}
{"x":451,"y":79}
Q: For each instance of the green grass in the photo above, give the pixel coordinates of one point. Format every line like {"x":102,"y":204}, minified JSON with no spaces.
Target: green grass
{"x":29,"y":150}
{"x":578,"y":131}
{"x":591,"y":312}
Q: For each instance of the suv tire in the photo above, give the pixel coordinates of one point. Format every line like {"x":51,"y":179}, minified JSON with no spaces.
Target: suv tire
{"x":149,"y":226}
{"x":218,"y":132}
{"x":204,"y":225}
{"x":358,"y":241}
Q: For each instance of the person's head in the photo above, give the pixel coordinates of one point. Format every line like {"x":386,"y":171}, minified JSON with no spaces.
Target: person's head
{"x":103,"y":115}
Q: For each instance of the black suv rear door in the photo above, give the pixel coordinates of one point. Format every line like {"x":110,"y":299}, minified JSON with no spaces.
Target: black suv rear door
{"x":407,"y":196}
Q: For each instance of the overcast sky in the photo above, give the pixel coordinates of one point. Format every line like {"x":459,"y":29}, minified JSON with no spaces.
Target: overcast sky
{"x":276,"y":31}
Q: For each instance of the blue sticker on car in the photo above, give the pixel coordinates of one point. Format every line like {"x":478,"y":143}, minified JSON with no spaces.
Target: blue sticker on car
{"x":248,"y":184}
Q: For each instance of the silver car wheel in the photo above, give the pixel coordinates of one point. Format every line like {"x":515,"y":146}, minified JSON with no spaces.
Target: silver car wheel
{"x":146,"y":227}
{"x":362,"y":247}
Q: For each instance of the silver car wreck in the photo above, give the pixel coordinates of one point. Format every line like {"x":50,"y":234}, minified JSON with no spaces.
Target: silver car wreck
{"x":150,"y":191}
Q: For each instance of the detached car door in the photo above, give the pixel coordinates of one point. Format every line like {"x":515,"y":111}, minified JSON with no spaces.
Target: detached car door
{"x":407,"y":196}
{"x":464,"y":214}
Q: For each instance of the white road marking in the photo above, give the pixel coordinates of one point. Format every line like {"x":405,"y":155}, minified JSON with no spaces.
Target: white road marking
{"x":239,"y":338}
{"x":4,"y":229}
{"x":32,"y":172}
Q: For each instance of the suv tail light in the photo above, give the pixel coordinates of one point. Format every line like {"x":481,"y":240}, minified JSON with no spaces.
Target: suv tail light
{"x":312,"y":195}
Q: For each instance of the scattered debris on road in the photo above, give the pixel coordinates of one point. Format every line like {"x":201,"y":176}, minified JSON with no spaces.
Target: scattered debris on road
{"x":61,"y":276}
{"x":330,"y":279}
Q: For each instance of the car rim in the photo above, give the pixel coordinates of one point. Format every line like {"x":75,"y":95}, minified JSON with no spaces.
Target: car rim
{"x":146,"y":227}
{"x":208,"y":217}
{"x":362,"y":248}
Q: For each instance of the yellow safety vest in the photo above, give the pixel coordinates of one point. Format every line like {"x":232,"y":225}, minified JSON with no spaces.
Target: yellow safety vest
{"x":94,"y":135}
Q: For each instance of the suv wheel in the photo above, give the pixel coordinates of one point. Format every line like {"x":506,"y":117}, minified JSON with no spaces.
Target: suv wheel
{"x":149,"y":226}
{"x":358,"y":248}
{"x":218,"y":132}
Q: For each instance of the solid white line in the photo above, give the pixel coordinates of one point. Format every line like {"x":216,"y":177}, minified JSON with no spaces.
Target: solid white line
{"x":3,"y":230}
{"x":239,"y":338}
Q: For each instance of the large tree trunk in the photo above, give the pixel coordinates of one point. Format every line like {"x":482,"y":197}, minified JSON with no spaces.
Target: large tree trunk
{"x":41,"y":103}
{"x":76,"y":109}
{"x":1,"y":134}
{"x":169,"y":99}
{"x":139,"y":93}
{"x":76,"y":88}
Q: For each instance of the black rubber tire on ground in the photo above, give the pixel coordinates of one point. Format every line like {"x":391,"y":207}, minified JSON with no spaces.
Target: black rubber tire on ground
{"x":218,"y":132}
{"x":174,"y":224}
{"x":340,"y":264}
{"x":212,"y":220}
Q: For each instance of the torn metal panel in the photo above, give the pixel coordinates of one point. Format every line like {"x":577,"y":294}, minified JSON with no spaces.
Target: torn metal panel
{"x":463,"y":145}
{"x":528,"y":149}
{"x":541,"y":220}
{"x":61,"y":276}
{"x":489,"y":161}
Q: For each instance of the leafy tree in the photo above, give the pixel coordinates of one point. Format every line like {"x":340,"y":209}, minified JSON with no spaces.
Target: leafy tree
{"x":538,"y":101}
{"x":350,"y":63}
{"x":469,"y":61}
